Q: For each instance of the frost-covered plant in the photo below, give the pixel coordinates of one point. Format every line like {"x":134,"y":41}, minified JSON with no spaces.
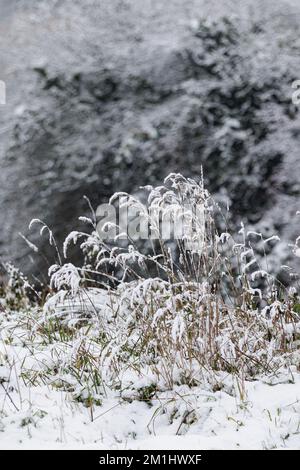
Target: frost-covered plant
{"x":174,"y":310}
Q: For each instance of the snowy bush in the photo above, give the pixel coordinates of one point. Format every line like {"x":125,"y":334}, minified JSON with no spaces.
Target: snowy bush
{"x":169,"y":311}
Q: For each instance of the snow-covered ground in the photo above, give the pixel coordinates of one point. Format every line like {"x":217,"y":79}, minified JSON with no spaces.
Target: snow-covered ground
{"x":268,"y":417}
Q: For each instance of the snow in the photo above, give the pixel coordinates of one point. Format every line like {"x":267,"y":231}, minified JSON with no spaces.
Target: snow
{"x":267,"y":418}
{"x":261,"y":414}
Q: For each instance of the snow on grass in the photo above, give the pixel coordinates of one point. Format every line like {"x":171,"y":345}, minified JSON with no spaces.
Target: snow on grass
{"x":268,"y":417}
{"x":198,"y":349}
{"x":241,"y":414}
